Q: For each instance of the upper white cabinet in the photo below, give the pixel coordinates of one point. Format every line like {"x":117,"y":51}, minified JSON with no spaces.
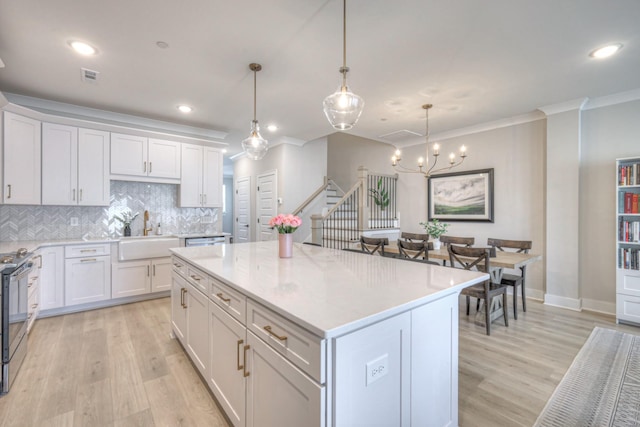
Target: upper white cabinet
{"x":201,"y":184}
{"x":21,"y":160}
{"x":144,"y":157}
{"x":75,"y":166}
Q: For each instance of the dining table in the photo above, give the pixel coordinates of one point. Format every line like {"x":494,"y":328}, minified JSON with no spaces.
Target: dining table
{"x":498,"y":263}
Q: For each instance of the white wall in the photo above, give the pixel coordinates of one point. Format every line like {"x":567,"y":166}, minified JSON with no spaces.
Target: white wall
{"x":608,"y":133}
{"x":301,"y":170}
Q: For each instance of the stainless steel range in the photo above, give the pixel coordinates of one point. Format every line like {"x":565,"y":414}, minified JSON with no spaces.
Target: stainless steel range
{"x":15,"y":267}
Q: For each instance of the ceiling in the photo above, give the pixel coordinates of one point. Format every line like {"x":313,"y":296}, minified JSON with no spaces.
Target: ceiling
{"x":476,"y":61}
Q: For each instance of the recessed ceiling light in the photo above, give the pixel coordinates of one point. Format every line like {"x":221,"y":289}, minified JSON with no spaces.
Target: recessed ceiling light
{"x":185,"y":108}
{"x":272,"y":128}
{"x":606,"y":51}
{"x":83,"y":48}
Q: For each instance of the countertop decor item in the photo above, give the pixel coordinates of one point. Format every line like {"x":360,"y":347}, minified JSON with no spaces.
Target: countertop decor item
{"x":286,"y":224}
{"x":126,"y":218}
{"x":423,"y":162}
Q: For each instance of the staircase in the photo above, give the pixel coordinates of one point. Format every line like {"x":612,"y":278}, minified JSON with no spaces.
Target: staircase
{"x":347,"y":215}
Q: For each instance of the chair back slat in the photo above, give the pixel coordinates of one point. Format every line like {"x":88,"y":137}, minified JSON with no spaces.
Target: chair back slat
{"x":414,"y":236}
{"x":479,"y":257}
{"x":466,"y":241}
{"x":413,"y":250}
{"x":522,"y":246}
{"x":371,"y":245}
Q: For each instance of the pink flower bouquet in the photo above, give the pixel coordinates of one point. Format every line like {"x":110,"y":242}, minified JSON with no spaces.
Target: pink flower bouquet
{"x":285,"y":223}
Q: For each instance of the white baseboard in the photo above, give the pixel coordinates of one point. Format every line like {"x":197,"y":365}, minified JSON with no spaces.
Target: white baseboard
{"x":599,"y":306}
{"x":563,"y":302}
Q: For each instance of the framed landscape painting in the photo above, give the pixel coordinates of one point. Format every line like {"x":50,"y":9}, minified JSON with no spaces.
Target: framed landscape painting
{"x":462,"y":196}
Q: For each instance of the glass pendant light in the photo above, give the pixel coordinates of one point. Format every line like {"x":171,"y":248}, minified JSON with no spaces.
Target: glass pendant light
{"x":255,"y":145}
{"x":343,"y":108}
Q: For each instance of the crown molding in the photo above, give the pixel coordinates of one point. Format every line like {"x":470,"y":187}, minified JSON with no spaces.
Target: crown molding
{"x":613,"y":99}
{"x":56,"y":109}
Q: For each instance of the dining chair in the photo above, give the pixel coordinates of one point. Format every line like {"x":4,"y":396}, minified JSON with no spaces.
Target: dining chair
{"x":448,"y":240}
{"x":371,"y":245}
{"x":413,"y":250}
{"x":411,"y":237}
{"x":520,"y":246}
{"x":479,"y":259}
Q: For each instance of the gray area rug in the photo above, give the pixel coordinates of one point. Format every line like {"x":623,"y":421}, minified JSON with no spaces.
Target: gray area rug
{"x":602,"y":386}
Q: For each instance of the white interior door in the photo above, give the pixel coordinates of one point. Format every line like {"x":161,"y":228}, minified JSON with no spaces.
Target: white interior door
{"x":242,"y":209}
{"x":266,"y":204}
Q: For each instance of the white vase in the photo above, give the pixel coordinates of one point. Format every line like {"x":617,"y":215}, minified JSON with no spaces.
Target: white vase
{"x":436,"y":244}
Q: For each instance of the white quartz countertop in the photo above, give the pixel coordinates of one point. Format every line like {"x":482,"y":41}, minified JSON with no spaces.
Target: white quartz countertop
{"x":327,"y":291}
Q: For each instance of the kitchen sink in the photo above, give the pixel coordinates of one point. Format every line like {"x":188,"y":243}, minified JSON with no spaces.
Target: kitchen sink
{"x":145,"y":247}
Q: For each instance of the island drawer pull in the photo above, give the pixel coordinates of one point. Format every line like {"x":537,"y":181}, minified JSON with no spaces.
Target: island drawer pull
{"x":88,"y":260}
{"x":281,"y":338}
{"x":240,"y":367}
{"x":245,"y":373}
{"x":219,"y":295}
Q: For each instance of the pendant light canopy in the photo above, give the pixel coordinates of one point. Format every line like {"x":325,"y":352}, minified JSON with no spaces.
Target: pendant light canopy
{"x":255,"y":145}
{"x":343,"y":108}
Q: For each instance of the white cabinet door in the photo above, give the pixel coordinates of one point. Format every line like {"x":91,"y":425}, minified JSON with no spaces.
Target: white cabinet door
{"x":161,"y":269}
{"x":179,"y":307}
{"x":164,"y":158}
{"x":278,"y":394}
{"x":51,"y":277}
{"x":191,"y":183}
{"x":212,"y":177}
{"x":198,"y":329}
{"x":226,"y":376}
{"x":59,"y":164}
{"x":93,"y":167}
{"x":22,"y":150}
{"x":130,"y":278}
{"x":87,"y":280}
{"x":128,"y":155}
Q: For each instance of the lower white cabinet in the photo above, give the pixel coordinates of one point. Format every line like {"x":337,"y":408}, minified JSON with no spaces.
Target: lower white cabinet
{"x":178,"y":307}
{"x":140,"y":277}
{"x":51,"y":277}
{"x":278,"y":393}
{"x":227,"y":380}
{"x":87,"y":278}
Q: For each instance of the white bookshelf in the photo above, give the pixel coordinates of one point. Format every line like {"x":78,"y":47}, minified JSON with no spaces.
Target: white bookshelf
{"x":627,"y":240}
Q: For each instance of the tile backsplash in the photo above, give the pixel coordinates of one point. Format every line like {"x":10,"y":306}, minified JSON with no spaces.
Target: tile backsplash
{"x":54,"y":222}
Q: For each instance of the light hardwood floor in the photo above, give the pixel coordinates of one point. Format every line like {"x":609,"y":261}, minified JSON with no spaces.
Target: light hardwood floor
{"x":119,"y":367}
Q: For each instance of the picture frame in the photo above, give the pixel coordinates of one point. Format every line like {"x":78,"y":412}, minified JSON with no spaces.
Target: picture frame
{"x":462,"y":196}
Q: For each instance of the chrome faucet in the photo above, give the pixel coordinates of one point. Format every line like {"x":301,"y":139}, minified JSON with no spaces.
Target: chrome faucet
{"x":145,"y":230}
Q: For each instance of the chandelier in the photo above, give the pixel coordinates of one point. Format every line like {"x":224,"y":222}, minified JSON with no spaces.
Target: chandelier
{"x":255,"y":145}
{"x":343,"y":108}
{"x":423,"y":162}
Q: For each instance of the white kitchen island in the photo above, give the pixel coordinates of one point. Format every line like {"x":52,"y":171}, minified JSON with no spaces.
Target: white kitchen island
{"x":326,"y":338}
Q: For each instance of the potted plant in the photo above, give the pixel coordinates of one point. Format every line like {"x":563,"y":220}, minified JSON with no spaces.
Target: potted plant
{"x":126,"y":218}
{"x":380,"y":195}
{"x":435,"y":229}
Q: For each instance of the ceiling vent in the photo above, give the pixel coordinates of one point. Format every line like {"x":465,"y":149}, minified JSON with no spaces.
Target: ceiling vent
{"x":399,"y":135}
{"x":89,"y":76}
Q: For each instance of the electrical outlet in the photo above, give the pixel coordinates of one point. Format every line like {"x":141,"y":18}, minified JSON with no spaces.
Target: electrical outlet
{"x":377,"y":369}
{"x":74,"y":221}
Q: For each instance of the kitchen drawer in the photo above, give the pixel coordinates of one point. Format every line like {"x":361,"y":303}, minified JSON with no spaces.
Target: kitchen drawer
{"x":198,"y":279}
{"x":297,"y":345}
{"x":231,"y":301}
{"x":179,"y":266}
{"x":79,"y":251}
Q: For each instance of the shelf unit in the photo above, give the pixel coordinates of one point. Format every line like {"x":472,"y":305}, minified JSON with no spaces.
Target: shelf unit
{"x":628,"y":240}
